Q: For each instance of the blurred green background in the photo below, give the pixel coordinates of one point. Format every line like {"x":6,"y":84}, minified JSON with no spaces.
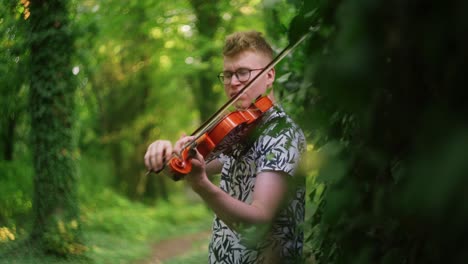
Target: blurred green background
{"x":378,"y":87}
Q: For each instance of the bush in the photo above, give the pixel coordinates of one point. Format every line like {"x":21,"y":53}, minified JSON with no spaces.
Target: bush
{"x":16,"y":190}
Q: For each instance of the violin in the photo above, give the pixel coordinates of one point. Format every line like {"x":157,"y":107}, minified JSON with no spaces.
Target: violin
{"x":219,"y":133}
{"x":232,"y":127}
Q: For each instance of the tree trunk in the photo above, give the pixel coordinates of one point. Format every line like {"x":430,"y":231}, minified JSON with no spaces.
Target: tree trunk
{"x":208,"y":20}
{"x":8,"y":140}
{"x":55,"y":206}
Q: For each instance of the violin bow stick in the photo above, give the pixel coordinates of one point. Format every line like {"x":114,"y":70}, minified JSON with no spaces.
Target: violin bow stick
{"x":218,"y":115}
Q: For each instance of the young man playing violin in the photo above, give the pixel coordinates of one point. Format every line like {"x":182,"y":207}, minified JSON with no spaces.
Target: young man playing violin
{"x":259,"y":204}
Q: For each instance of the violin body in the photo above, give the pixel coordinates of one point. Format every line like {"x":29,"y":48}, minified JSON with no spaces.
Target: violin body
{"x":222,"y":137}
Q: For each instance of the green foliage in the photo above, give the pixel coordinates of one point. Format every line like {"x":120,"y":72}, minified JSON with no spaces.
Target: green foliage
{"x":190,"y":258}
{"x":16,"y":202}
{"x":123,"y":225}
{"x":385,"y":107}
{"x":13,"y":76}
{"x":112,"y":222}
{"x":61,"y":237}
{"x":139,"y":221}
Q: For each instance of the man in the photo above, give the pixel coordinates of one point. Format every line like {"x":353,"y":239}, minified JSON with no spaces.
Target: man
{"x":259,"y":205}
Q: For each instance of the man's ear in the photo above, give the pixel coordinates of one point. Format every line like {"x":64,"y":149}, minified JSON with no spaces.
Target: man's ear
{"x":271,"y":77}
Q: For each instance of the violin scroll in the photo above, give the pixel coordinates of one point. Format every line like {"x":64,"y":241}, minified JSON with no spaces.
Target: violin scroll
{"x":221,"y":138}
{"x":181,"y":166}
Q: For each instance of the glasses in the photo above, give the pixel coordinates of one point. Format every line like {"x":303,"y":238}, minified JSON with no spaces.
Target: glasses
{"x":242,"y":74}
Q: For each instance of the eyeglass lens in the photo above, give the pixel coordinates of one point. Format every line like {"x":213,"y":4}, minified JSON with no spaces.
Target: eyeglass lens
{"x":242,"y":75}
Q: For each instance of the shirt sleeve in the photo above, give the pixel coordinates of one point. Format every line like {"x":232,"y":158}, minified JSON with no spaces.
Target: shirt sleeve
{"x":280,"y":151}
{"x":223,"y":158}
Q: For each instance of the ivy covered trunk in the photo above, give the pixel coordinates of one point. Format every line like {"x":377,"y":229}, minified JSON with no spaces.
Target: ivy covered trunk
{"x":55,"y":226}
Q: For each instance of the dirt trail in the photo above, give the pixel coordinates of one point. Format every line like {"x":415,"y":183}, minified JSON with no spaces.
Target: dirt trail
{"x":175,"y":247}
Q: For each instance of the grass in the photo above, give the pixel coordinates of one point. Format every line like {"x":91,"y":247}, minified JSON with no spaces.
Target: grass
{"x":125,"y":233}
{"x":195,"y":257}
{"x":117,"y":230}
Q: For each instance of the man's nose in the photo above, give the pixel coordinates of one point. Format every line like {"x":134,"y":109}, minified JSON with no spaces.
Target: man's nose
{"x":235,"y":80}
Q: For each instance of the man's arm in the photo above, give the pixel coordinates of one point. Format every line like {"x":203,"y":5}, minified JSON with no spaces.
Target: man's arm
{"x":214,"y":167}
{"x":270,"y":190}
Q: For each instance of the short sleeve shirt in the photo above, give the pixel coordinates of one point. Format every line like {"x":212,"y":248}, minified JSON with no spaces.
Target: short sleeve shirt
{"x":276,"y":146}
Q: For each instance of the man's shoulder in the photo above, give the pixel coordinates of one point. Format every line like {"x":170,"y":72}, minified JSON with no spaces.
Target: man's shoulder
{"x":278,"y":124}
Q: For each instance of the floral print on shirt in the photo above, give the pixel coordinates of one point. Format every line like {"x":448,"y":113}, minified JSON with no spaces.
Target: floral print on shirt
{"x":277,"y":145}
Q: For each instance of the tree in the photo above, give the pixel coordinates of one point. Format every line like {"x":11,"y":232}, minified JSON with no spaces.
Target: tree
{"x":122,"y":65}
{"x":56,"y":223}
{"x":13,"y":79}
{"x":208,"y":21}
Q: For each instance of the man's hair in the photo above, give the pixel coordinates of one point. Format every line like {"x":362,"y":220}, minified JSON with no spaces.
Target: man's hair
{"x":247,"y":41}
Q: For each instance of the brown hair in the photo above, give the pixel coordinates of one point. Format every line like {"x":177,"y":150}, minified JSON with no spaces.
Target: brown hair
{"x":247,"y":40}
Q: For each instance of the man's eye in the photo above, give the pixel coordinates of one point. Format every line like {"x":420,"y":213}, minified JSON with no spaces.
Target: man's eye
{"x":227,"y":74}
{"x":242,"y":71}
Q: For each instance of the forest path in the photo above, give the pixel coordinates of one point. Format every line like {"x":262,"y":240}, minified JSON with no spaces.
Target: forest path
{"x":177,"y":247}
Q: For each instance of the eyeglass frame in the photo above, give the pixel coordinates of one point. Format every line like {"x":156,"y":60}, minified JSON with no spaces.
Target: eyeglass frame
{"x":222,"y":78}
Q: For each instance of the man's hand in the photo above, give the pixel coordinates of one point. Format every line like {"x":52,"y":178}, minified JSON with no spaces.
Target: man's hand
{"x":157,"y":154}
{"x":198,"y":173}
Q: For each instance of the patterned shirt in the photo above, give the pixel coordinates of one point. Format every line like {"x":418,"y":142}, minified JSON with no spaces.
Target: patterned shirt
{"x":276,"y":145}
